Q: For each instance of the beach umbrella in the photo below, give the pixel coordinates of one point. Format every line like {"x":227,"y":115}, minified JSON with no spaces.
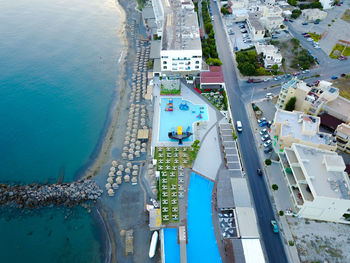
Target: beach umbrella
{"x":133,"y":140}
{"x":134,"y":180}
{"x":124,"y":155}
{"x":127,"y":138}
{"x":129,"y":164}
{"x":127,"y":133}
{"x":110,"y":180}
{"x":143,"y":150}
{"x":143,"y":144}
{"x":137,"y":153}
{"x":110,"y":192}
{"x":114,"y":163}
{"x":138,"y":142}
{"x":132,"y":145}
{"x":131,"y":150}
{"x":108,"y":186}
{"x":137,"y":147}
{"x":119,"y":173}
{"x":135,"y":167}
{"x":131,"y":157}
{"x":135,"y":126}
{"x":153,"y":182}
{"x":154,"y":191}
{"x":111,"y":174}
{"x":134,"y":173}
{"x":145,"y":127}
{"x":125,"y":148}
{"x":143,"y":119}
{"x":127,"y":178}
{"x":121,"y":167}
{"x":126,"y":142}
{"x":118,"y":180}
{"x":127,"y":170}
{"x":112,"y":169}
{"x":115,"y":186}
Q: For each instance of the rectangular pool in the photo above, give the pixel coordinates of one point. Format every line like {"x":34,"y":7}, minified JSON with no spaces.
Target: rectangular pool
{"x":170,"y":120}
{"x":171,"y":247}
{"x":201,"y":245}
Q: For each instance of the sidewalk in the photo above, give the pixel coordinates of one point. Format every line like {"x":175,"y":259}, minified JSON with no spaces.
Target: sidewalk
{"x":280,"y":199}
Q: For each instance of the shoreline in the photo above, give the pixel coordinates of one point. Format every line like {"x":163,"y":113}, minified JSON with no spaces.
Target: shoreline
{"x":100,"y":154}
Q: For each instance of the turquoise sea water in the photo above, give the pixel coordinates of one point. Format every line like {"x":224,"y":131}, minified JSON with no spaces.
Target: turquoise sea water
{"x":58,"y":74}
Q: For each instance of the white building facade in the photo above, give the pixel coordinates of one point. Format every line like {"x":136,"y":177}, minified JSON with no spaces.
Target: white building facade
{"x":271,"y":54}
{"x":317,"y":183}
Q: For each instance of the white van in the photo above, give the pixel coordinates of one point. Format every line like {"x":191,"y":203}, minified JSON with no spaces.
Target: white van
{"x":239,"y":126}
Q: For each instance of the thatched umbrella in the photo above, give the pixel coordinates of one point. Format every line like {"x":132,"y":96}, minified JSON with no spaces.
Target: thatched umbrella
{"x":134,"y":179}
{"x":121,"y":167}
{"x":124,"y":155}
{"x":137,"y":148}
{"x":143,"y":150}
{"x":127,"y":170}
{"x":135,"y":167}
{"x":119,"y":173}
{"x":127,"y":178}
{"x":129,"y":164}
{"x":133,"y":140}
{"x":131,"y":157}
{"x":110,"y":174}
{"x":143,"y":144}
{"x":155,"y":191}
{"x":110,"y":192}
{"x":137,"y":153}
{"x":115,"y":186}
{"x":110,"y":180}
{"x":132,"y":145}
{"x":112,"y":169}
{"x":114,"y":163}
{"x":134,"y":173}
{"x":118,"y":180}
{"x":126,"y":142}
{"x":125,"y":149}
{"x":108,"y":185}
{"x":131,"y":151}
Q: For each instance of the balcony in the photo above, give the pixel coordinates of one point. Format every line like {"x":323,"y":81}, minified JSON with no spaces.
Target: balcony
{"x":297,"y":197}
{"x":298,"y":173}
{"x":306,"y":192}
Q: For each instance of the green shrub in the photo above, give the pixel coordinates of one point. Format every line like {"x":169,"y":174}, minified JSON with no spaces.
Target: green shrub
{"x":274,"y":187}
{"x":291,"y":243}
{"x":268,"y":162}
{"x":290,"y":105}
{"x":281,"y":213}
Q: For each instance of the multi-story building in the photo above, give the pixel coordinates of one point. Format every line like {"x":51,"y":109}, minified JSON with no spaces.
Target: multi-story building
{"x":271,"y":17}
{"x":272,"y":56}
{"x":327,"y":4}
{"x":256,"y":29}
{"x":317,"y":183}
{"x":315,"y":100}
{"x":298,"y":127}
{"x":181,"y":51}
{"x":343,"y":137}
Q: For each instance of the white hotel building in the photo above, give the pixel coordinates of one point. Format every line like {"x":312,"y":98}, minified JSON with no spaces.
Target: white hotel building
{"x":180,"y":50}
{"x":317,"y":183}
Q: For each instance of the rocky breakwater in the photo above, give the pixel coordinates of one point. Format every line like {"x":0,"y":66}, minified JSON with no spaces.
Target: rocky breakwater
{"x":37,"y":195}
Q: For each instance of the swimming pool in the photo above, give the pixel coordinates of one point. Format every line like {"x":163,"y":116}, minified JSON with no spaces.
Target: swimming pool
{"x":170,"y":120}
{"x":171,"y":247}
{"x":201,"y":245}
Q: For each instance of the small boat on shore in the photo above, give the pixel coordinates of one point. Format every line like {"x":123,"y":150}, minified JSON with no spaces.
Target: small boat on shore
{"x":153,"y":246}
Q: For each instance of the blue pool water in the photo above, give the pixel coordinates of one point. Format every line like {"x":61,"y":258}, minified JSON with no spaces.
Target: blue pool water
{"x":171,"y":247}
{"x":201,"y":245}
{"x":170,"y":120}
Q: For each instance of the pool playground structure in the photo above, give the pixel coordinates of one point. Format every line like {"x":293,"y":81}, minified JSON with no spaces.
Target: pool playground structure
{"x":177,"y":117}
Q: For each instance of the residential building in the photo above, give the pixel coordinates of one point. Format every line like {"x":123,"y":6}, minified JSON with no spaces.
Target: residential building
{"x":271,"y":17}
{"x":343,"y":137}
{"x":327,"y":4}
{"x":315,"y":100}
{"x":317,"y":183}
{"x":313,"y":14}
{"x":181,"y":51}
{"x":159,"y":15}
{"x":297,"y":127}
{"x":256,"y":29}
{"x":272,"y":55}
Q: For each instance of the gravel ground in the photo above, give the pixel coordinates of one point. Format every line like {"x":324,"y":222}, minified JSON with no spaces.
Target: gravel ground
{"x":318,"y":241}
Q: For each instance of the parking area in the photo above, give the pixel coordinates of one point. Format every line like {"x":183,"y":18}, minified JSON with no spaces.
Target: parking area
{"x":332,"y":28}
{"x":235,"y":34}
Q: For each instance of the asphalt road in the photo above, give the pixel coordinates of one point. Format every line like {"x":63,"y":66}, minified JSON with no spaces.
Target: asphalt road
{"x":273,"y":243}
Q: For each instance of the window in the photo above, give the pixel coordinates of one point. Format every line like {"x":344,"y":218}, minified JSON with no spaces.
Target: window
{"x":165,"y":67}
{"x":164,"y":56}
{"x":164,"y":62}
{"x":197,"y":62}
{"x":197,"y":67}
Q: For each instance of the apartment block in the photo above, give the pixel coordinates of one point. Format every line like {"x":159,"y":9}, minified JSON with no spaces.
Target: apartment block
{"x":298,"y":127}
{"x":343,"y":137}
{"x":317,"y":183}
{"x":272,"y":56}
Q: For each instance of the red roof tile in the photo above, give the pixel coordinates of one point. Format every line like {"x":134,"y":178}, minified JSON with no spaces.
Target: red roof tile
{"x":214,"y":75}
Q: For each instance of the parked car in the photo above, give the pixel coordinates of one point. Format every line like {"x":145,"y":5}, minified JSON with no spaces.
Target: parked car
{"x":307,"y":35}
{"x":245,"y":35}
{"x":286,"y":19}
{"x":261,"y":120}
{"x":267,"y":143}
{"x":268,"y":150}
{"x":343,"y":75}
{"x":334,"y":77}
{"x":309,"y":39}
{"x":263,"y":131}
{"x":259,"y":172}
{"x":269,"y":123}
{"x":251,"y":80}
{"x":296,"y":73}
{"x":274,"y":226}
{"x":305,"y":23}
{"x":265,"y":137}
{"x":262,"y":124}
{"x":290,"y":20}
{"x":243,"y":30}
{"x":341,"y":57}
{"x":269,"y":95}
{"x":239,"y":126}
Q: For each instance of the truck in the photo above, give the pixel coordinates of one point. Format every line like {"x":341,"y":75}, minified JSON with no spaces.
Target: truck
{"x":251,"y":80}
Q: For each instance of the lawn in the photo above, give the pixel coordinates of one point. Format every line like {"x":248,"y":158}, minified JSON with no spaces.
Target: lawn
{"x":343,"y":84}
{"x":342,"y":50}
{"x":315,"y":37}
{"x":175,"y":91}
{"x":168,"y":161}
{"x":217,"y":98}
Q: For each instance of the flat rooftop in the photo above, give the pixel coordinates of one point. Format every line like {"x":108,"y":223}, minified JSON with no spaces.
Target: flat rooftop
{"x":302,"y":126}
{"x":323,"y":171}
{"x":180,"y":29}
{"x":340,"y":105}
{"x":254,"y":21}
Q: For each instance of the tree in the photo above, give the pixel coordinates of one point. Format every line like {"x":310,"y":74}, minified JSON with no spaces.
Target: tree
{"x":292,"y":2}
{"x":290,"y":105}
{"x":150,"y":64}
{"x":295,"y":13}
{"x":213,"y":62}
{"x":281,"y":213}
{"x":247,"y":69}
{"x":282,"y":26}
{"x":261,"y":71}
{"x":268,"y":162}
{"x":274,"y":187}
{"x":208,"y":27}
{"x":295,"y":42}
{"x":274,"y":68}
{"x":291,"y":243}
{"x":224,"y":11}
